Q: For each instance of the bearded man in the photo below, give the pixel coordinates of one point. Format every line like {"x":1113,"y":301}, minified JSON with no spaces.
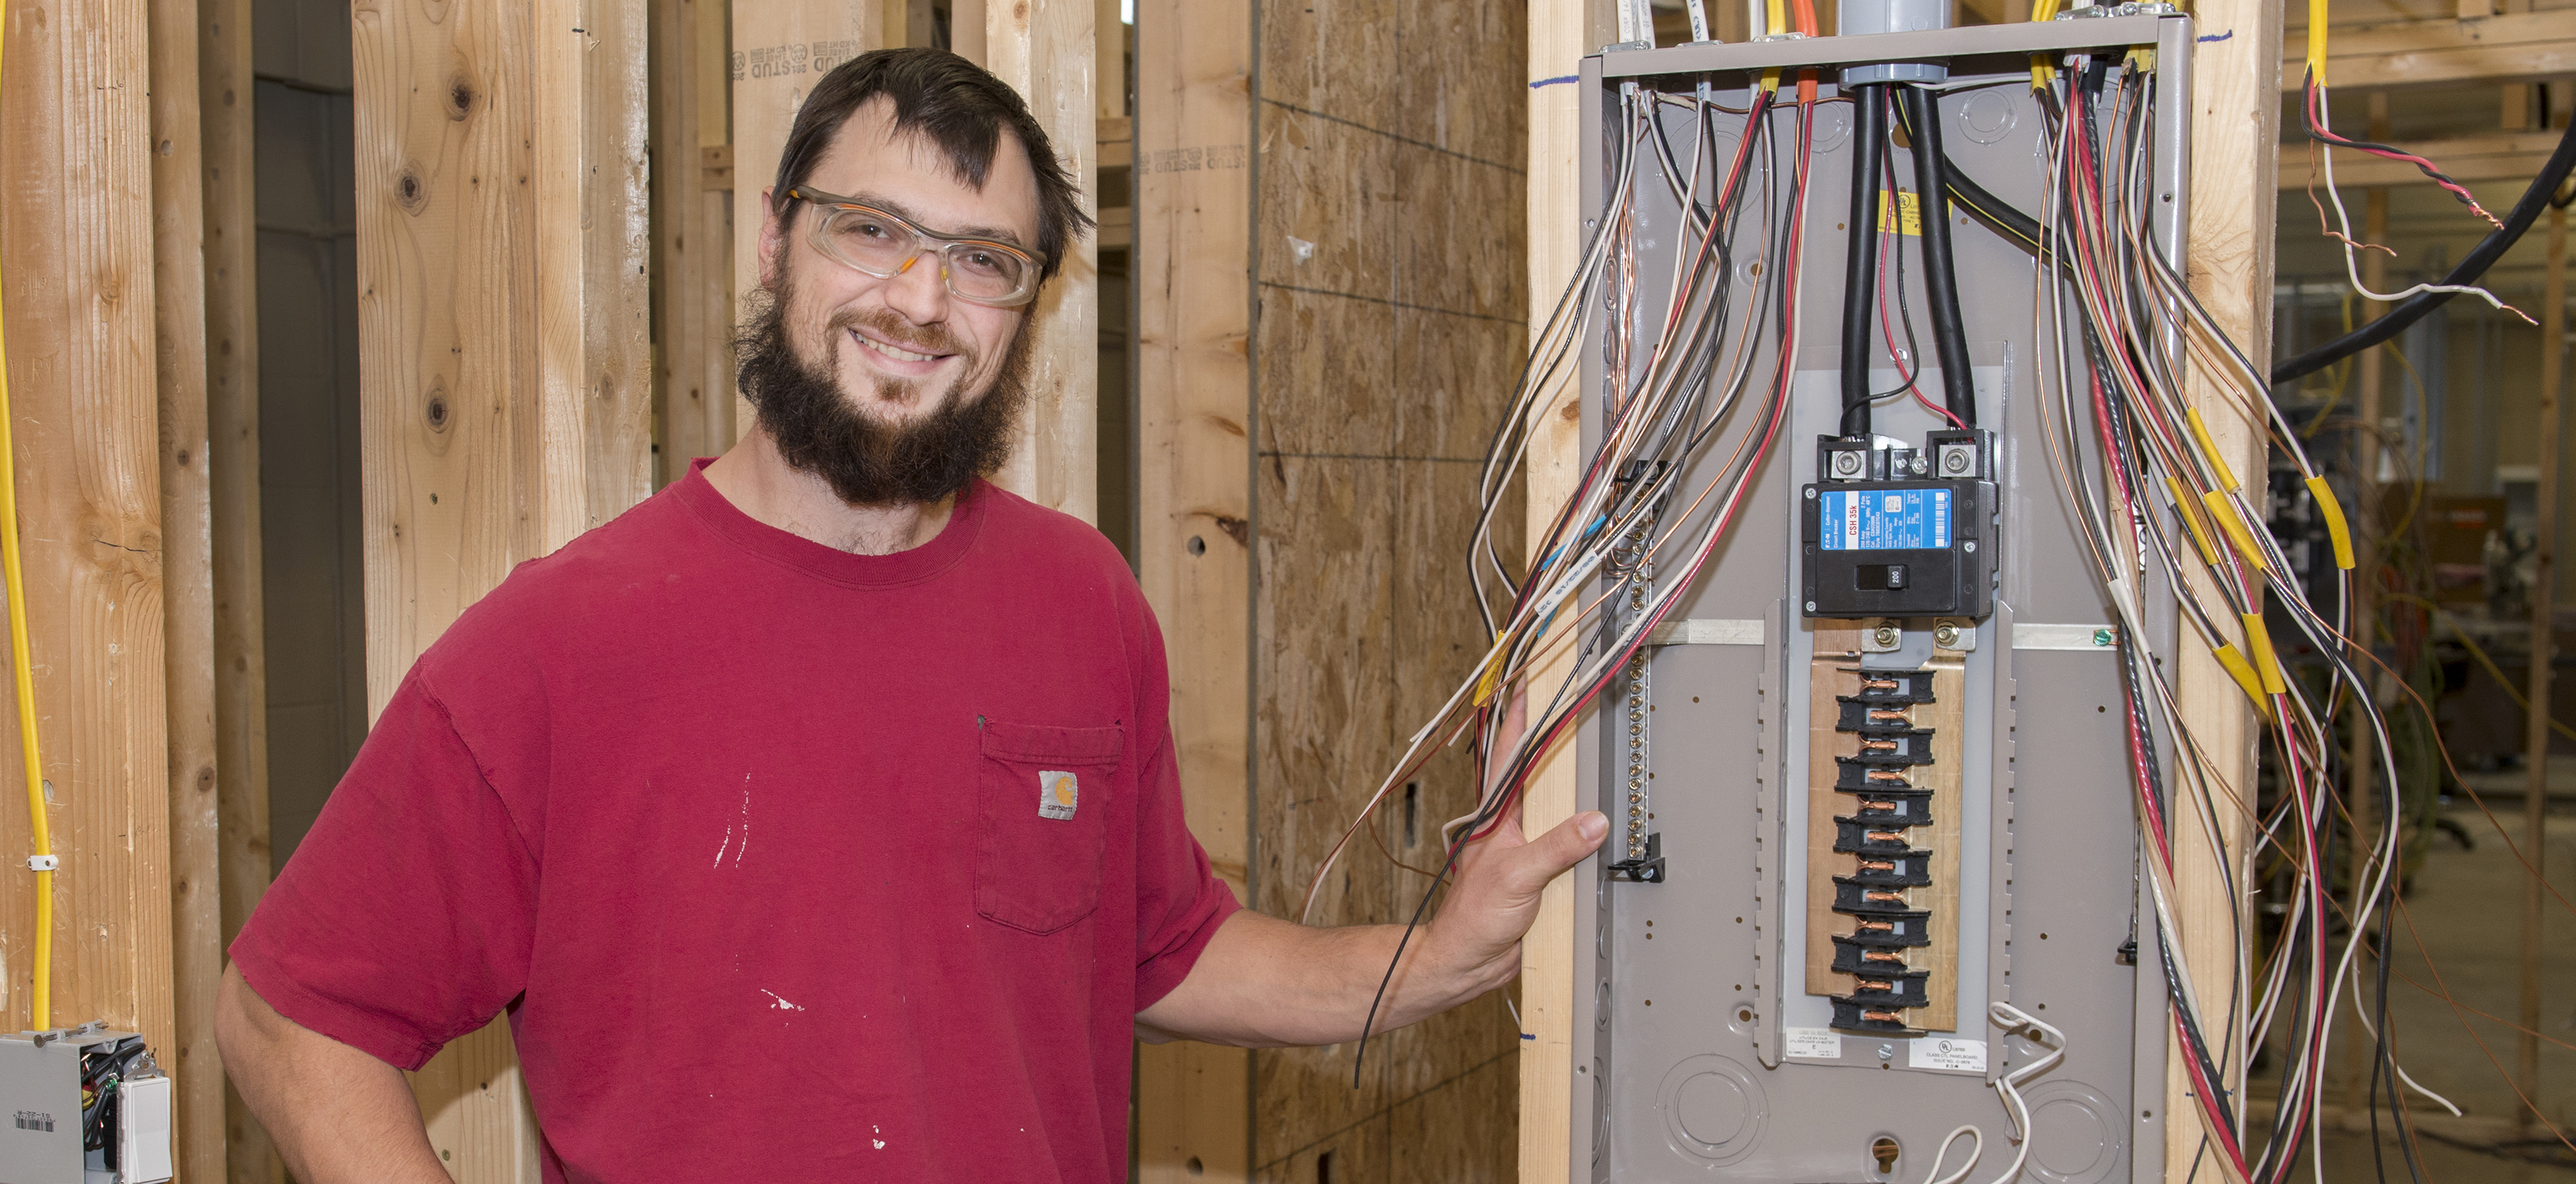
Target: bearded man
{"x":817,"y":818}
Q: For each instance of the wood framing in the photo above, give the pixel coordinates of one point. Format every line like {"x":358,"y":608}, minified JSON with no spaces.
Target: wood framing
{"x":1193,"y":543}
{"x":780,"y":49}
{"x":693,"y":233}
{"x":1044,"y":49}
{"x":224,"y":89}
{"x":2234,"y":137}
{"x":188,"y":582}
{"x":2516,"y":47}
{"x":503,"y":363}
{"x":1560,"y":33}
{"x":76,"y":247}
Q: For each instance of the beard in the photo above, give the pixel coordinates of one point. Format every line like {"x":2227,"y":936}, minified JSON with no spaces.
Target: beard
{"x":822,"y":430}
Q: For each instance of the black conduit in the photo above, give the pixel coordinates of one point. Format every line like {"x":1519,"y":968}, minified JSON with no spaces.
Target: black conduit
{"x":1860,"y":263}
{"x":1940,"y":268}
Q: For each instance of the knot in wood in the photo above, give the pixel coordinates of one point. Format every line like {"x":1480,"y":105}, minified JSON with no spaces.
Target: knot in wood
{"x":410,"y":192}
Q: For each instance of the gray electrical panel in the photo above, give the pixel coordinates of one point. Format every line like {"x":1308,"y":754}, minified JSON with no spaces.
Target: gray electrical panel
{"x":1707,"y":1041}
{"x":42,"y":1078}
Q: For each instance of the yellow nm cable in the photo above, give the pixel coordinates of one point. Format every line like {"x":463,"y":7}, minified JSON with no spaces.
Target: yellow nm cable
{"x":24,"y":670}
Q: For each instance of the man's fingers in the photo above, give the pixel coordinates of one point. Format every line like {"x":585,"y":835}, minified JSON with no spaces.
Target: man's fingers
{"x":1542,"y":858}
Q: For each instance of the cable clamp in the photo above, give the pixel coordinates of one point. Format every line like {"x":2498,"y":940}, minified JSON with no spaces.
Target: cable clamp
{"x":44,"y":863}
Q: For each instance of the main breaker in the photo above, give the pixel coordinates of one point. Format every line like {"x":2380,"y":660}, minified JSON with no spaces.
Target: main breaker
{"x":1872,"y":846}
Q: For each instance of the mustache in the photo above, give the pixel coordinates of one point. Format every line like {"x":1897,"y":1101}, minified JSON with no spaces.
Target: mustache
{"x":891,"y":328}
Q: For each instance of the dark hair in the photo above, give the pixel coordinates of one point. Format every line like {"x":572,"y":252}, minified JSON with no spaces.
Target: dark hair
{"x":954,"y":104}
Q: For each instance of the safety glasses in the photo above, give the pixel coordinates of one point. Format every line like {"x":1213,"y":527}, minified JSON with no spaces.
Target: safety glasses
{"x":872,"y":241}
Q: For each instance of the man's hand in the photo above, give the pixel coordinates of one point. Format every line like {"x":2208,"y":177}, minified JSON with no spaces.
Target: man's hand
{"x":1266,"y":982}
{"x":335,"y":1113}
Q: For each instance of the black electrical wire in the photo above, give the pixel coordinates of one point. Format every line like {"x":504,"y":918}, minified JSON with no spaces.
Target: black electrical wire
{"x":2489,"y":249}
{"x":1860,"y":263}
{"x":1940,"y":267}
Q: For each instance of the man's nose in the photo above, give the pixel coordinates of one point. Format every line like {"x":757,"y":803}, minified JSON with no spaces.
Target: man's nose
{"x":919,"y":292}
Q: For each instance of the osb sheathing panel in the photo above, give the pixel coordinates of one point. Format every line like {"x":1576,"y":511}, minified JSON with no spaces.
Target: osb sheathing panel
{"x":1390,"y":328}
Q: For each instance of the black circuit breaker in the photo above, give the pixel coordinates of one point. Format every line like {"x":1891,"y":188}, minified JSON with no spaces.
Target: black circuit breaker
{"x":1901,"y":532}
{"x":1888,"y":806}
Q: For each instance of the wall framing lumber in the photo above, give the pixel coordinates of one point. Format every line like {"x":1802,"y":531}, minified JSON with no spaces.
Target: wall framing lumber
{"x":2236,"y":82}
{"x":1560,"y":33}
{"x":76,"y":245}
{"x":2515,"y":47}
{"x":693,"y":234}
{"x":781,"y":48}
{"x":1194,"y":557}
{"x":188,"y":582}
{"x":224,"y":90}
{"x":504,"y":372}
{"x":1045,"y":50}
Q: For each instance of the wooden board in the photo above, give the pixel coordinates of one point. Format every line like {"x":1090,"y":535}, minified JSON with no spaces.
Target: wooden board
{"x":501,"y":242}
{"x":224,"y":92}
{"x":2520,"y":47}
{"x":1044,"y":49}
{"x":1194,"y":558}
{"x":2234,"y":136}
{"x":693,"y":235}
{"x":76,"y":237}
{"x":1560,"y":33}
{"x":188,"y":587}
{"x":781,"y":48}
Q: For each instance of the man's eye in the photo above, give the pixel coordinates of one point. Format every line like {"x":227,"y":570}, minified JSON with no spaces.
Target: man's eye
{"x":988,"y":263}
{"x":873,"y":231}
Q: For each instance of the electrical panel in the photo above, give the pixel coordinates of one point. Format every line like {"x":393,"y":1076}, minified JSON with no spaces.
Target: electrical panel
{"x":1874,"y":846}
{"x":86,"y":1105}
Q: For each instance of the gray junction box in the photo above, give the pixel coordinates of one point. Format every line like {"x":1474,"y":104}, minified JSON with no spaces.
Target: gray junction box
{"x":1704,"y":1042}
{"x":40,"y":1089}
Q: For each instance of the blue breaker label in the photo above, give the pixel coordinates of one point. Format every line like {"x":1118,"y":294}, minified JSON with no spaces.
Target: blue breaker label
{"x":1885,"y":519}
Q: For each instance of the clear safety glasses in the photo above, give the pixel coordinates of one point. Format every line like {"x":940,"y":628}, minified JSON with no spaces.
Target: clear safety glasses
{"x":870,"y":240}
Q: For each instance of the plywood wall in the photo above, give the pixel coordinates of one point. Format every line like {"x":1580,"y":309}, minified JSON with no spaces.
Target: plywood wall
{"x":1389,"y":327}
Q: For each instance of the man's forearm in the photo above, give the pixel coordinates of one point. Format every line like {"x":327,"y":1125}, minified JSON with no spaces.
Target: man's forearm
{"x":335,"y":1113}
{"x":1271,"y":983}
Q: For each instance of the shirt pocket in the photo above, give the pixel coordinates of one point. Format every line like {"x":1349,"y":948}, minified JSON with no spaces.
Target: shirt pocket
{"x":1043,"y":821}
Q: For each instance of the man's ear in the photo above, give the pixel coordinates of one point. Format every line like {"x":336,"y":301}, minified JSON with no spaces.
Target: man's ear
{"x":773,"y":236}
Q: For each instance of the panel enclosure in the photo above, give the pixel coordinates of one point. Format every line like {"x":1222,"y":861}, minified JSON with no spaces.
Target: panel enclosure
{"x":1701,"y":1050}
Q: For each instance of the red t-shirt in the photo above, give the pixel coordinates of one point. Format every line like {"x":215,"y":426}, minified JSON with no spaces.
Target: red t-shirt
{"x":787,"y":863}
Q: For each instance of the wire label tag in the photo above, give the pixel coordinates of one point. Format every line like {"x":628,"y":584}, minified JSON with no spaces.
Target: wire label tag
{"x":1057,"y":793}
{"x":1886,"y":519}
{"x":1947,"y":1052}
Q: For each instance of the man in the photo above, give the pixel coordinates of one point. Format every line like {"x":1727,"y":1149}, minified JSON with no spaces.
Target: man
{"x":816,"y":819}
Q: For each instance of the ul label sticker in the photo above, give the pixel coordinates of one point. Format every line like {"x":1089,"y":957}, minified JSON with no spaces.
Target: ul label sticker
{"x":1057,"y":793}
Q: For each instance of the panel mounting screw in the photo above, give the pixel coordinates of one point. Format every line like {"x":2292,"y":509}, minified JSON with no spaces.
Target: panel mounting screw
{"x":1887,"y":1052}
{"x":1946,"y":635}
{"x":1886,"y":636}
{"x":1969,"y":545}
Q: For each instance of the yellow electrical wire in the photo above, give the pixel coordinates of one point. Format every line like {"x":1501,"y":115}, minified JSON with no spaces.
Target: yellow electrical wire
{"x":23,"y":667}
{"x":2317,"y":41}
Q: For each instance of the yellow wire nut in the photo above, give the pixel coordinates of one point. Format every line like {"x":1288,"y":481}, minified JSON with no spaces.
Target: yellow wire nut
{"x":2243,"y":672}
{"x":2223,"y":512}
{"x":2336,"y":528}
{"x":2266,"y":663}
{"x":2199,"y":533}
{"x":2209,"y":448}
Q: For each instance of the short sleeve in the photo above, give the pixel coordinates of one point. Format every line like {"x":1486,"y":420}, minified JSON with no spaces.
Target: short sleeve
{"x":1179,"y":899}
{"x":406,"y":917}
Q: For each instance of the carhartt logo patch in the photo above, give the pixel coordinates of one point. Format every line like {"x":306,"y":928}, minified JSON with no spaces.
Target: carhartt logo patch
{"x":1057,"y":793}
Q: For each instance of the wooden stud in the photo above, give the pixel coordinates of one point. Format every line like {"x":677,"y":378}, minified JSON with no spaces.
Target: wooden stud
{"x":501,"y":247}
{"x":76,"y":236}
{"x":2235,"y":112}
{"x":1194,"y":559}
{"x":188,"y":588}
{"x":2544,"y":585}
{"x":224,"y":89}
{"x":1560,"y":33}
{"x":2515,"y":47}
{"x":784,"y":48}
{"x":1044,"y":50}
{"x":693,"y":236}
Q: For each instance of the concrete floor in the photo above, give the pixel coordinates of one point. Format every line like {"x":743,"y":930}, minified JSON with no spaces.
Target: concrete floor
{"x":2465,"y":909}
